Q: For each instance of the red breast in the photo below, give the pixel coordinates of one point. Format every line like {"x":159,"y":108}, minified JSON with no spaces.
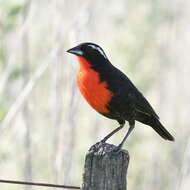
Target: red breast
{"x":93,"y":90}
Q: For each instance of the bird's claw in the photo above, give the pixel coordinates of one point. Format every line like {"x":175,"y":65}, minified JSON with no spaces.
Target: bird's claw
{"x":96,"y":146}
{"x":117,"y":149}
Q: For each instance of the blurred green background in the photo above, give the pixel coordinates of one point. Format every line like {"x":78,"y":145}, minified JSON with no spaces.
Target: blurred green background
{"x":46,"y":127}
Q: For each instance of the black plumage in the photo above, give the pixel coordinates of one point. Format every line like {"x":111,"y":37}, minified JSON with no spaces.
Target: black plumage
{"x":127,"y":102}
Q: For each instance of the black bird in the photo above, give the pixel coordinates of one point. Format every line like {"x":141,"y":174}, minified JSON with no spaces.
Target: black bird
{"x":110,"y":92}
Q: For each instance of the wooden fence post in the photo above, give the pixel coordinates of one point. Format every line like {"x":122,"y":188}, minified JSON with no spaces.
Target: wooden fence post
{"x":105,"y":169}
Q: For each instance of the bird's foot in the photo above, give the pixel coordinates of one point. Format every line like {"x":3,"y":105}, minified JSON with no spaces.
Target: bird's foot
{"x":97,"y":145}
{"x":102,"y":143}
{"x":117,"y":149}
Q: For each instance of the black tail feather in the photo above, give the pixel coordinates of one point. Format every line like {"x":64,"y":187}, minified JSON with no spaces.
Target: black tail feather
{"x":155,"y":124}
{"x":159,"y":128}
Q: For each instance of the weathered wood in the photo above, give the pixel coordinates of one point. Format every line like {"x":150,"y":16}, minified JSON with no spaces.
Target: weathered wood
{"x":105,"y":168}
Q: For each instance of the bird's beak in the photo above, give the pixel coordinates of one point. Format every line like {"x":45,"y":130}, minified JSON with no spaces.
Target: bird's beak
{"x":76,"y":51}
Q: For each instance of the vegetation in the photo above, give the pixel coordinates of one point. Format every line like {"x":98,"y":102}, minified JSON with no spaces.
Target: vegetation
{"x":46,"y":127}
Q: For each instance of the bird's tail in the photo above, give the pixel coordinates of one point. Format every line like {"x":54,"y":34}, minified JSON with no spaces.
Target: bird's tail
{"x":160,"y":129}
{"x":155,"y":124}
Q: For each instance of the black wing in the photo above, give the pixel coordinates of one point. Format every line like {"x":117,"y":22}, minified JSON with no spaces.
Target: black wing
{"x":124,"y":90}
{"x":143,"y":106}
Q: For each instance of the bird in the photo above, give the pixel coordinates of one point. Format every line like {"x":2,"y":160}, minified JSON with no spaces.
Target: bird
{"x":111,"y":93}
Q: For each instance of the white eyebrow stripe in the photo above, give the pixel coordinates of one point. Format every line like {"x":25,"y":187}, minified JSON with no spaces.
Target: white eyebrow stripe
{"x":98,"y":49}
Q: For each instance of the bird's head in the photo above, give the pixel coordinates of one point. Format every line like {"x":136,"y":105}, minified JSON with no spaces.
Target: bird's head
{"x":90,"y":51}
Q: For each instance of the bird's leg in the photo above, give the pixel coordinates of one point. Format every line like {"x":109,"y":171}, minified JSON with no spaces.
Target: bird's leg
{"x":131,"y":127}
{"x":122,"y":123}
